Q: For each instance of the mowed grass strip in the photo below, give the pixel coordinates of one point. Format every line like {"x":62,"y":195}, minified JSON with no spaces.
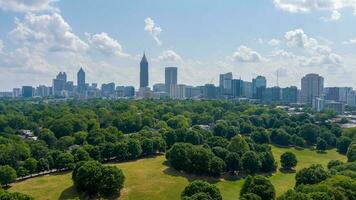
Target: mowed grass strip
{"x":151,"y":179}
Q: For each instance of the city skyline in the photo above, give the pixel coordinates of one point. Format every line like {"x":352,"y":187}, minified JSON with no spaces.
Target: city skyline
{"x":40,"y":38}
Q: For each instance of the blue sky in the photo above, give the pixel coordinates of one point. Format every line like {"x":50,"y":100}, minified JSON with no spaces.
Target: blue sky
{"x":202,"y":38}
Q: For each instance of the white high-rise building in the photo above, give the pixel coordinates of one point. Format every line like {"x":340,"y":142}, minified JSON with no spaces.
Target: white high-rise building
{"x":177,"y":91}
{"x":312,"y":87}
{"x":225,"y":81}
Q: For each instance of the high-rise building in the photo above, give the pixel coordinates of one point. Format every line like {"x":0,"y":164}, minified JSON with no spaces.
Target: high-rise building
{"x":143,"y":72}
{"x":81,"y":81}
{"x":225,"y":84}
{"x":237,"y":87}
{"x":108,"y":90}
{"x":43,"y":91}
{"x":276,"y":94}
{"x":312,"y":87}
{"x":351,"y":98}
{"x":27,"y":91}
{"x":193,"y":92}
{"x":290,"y":95}
{"x":259,"y":85}
{"x":177,"y":91}
{"x":59,"y":84}
{"x":170,"y":77}
{"x":338,"y":94}
{"x":129,"y":91}
{"x":159,"y":87}
{"x":16,"y":92}
{"x":209,"y":91}
{"x":247,"y":89}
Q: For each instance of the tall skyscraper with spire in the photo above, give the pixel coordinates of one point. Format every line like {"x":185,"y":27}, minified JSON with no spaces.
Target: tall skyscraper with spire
{"x":81,"y":80}
{"x":143,"y":72}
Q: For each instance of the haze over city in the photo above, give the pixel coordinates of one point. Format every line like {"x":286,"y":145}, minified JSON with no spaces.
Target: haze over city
{"x":202,"y":39}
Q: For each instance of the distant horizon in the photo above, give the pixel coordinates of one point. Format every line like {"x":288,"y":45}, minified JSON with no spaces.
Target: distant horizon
{"x":203,"y":39}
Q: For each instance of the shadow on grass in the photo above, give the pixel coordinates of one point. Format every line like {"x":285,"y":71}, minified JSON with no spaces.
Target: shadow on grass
{"x":287,"y":171}
{"x":70,"y":193}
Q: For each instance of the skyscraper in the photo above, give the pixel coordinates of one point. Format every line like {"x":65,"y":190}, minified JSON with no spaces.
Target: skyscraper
{"x":143,"y":72}
{"x":225,"y":83}
{"x":170,"y":77}
{"x":259,"y":85}
{"x":312,"y":87}
{"x":81,"y":80}
{"x":237,"y":87}
{"x":59,"y":84}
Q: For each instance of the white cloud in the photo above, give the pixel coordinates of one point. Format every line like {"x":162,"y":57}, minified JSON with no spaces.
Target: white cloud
{"x":170,"y":56}
{"x":153,"y":29}
{"x":296,"y":6}
{"x":105,"y":44}
{"x":274,"y":42}
{"x":1,"y":46}
{"x":297,"y":38}
{"x":49,"y":32}
{"x":260,"y":41}
{"x":26,"y":5}
{"x":245,"y":54}
{"x":304,"y":6}
{"x":351,"y":41}
{"x":283,"y":54}
{"x":335,"y":15}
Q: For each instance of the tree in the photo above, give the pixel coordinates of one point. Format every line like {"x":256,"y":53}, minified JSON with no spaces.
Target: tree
{"x":343,"y":144}
{"x":42,"y":165}
{"x":22,"y":172}
{"x":250,"y":196}
{"x":288,"y":160}
{"x":268,"y":164}
{"x":80,"y":154}
{"x":260,"y":186}
{"x":310,"y":133}
{"x":64,"y":161}
{"x":31,"y":165}
{"x":112,"y":180}
{"x":220,"y":152}
{"x":311,"y":175}
{"x":48,"y":136}
{"x":200,"y":160}
{"x":260,"y":136}
{"x":334,"y":163}
{"x":280,"y":137}
{"x":7,"y":175}
{"x":351,"y":153}
{"x":321,"y":144}
{"x":93,"y":178}
{"x":239,"y":145}
{"x":197,"y":187}
{"x":178,"y":155}
{"x":233,"y":162}
{"x":80,"y":137}
{"x":134,"y":148}
{"x":251,"y":162}
{"x":217,"y":166}
{"x":5,"y":195}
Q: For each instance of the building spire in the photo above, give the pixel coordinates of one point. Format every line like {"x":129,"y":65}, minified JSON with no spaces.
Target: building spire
{"x":144,"y":59}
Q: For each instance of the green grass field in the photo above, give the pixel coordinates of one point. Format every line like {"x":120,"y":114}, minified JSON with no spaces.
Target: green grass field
{"x":150,"y":179}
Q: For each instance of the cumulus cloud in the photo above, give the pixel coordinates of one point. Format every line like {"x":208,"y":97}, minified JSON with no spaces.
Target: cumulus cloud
{"x":49,"y":31}
{"x":26,"y":5}
{"x":317,"y":54}
{"x":153,"y":29}
{"x":274,"y":42}
{"x":351,"y":41}
{"x":303,"y":6}
{"x":1,"y":46}
{"x":105,"y":44}
{"x":283,"y":54}
{"x":245,"y":54}
{"x":170,"y":56}
{"x":297,"y":38}
{"x":296,"y":6}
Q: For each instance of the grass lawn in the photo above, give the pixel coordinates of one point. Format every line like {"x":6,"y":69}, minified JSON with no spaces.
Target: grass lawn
{"x":150,"y":179}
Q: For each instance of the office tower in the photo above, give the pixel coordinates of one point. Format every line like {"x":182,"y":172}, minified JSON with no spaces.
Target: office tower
{"x":129,"y":91}
{"x":276,"y":94}
{"x":81,"y":81}
{"x":337,"y":107}
{"x":192,"y":92}
{"x":338,"y":94}
{"x":209,"y":91}
{"x":247,"y":89}
{"x":159,"y":87}
{"x":16,"y":92}
{"x":143,"y":72}
{"x":5,"y":94}
{"x":59,"y":84}
{"x":237,"y":87}
{"x":108,"y":90}
{"x":170,"y":77}
{"x":318,"y":104}
{"x":312,"y":87}
{"x":259,"y":85}
{"x":290,"y":95}
{"x":351,"y":98}
{"x":43,"y":91}
{"x":27,"y":91}
{"x":177,"y":91}
{"x":120,"y":91}
{"x":225,"y":84}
